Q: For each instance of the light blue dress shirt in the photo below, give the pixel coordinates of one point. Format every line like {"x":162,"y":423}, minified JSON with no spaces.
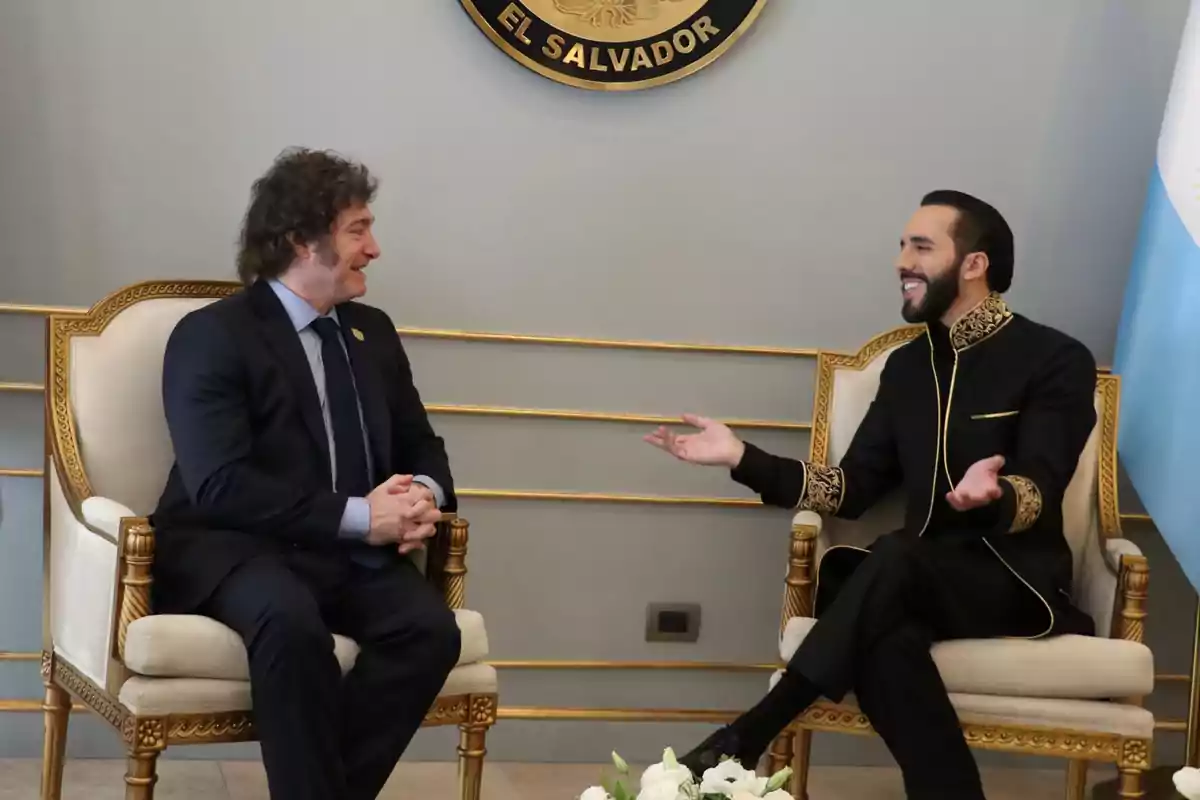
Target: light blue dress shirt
{"x":356,"y":519}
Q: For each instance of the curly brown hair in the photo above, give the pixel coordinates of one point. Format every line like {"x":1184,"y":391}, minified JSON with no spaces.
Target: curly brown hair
{"x":297,"y":201}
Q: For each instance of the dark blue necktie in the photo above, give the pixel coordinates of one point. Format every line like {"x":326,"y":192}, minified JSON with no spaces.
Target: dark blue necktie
{"x":350,"y":453}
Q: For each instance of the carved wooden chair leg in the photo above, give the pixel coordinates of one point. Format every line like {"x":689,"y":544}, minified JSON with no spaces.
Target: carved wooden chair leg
{"x":141,"y":773}
{"x":803,"y":750}
{"x":57,"y":713}
{"x":781,"y":752}
{"x":1077,"y":771}
{"x":472,"y":747}
{"x":1131,"y":783}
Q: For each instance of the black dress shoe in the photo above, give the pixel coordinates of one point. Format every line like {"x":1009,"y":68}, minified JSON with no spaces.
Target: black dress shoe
{"x":725,"y":744}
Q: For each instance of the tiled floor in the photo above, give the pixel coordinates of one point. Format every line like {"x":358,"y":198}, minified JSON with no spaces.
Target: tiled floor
{"x":242,"y":780}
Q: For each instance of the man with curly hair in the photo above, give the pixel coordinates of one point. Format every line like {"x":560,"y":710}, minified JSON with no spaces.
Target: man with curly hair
{"x":306,"y":476}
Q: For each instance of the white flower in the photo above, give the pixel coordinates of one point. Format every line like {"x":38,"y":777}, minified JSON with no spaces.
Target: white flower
{"x":672,"y":776}
{"x":595,"y":793}
{"x":1187,"y":782}
{"x":729,"y":777}
{"x":662,"y":791}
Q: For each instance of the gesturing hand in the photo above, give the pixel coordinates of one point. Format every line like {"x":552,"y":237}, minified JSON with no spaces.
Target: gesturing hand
{"x":714,"y":446}
{"x":979,"y":486}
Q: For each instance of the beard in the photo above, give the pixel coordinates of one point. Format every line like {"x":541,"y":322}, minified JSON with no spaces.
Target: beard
{"x":940,"y":294}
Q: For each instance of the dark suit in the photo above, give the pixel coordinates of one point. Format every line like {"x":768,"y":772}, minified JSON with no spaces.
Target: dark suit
{"x":994,"y":384}
{"x":248,"y":533}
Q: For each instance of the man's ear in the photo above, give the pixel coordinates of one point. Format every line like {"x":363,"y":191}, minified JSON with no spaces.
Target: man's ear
{"x":975,"y":266}
{"x":299,"y":248}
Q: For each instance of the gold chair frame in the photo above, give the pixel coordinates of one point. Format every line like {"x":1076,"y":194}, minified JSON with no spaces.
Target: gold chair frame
{"x":1131,"y":755}
{"x":145,"y":737}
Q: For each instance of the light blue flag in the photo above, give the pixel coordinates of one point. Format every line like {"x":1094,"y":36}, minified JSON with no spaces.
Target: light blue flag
{"x":1158,"y":346}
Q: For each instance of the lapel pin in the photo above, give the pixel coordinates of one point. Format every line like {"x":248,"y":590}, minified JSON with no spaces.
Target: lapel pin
{"x":358,"y":334}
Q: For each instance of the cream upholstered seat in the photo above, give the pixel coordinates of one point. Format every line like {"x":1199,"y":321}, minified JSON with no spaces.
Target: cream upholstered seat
{"x":168,"y":679}
{"x":1075,"y":697}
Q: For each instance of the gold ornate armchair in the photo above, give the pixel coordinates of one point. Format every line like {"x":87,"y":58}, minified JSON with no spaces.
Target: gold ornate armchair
{"x":1073,"y":697}
{"x":167,"y":679}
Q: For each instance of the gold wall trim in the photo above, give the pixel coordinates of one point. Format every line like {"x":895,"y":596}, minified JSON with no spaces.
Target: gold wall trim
{"x":598,"y":497}
{"x":571,"y":497}
{"x":455,"y":409}
{"x":608,"y":344}
{"x":602,"y":416}
{"x":39,"y":310}
{"x":512,"y":338}
{"x":18,"y":472}
{"x":613,"y":714}
{"x":17,"y":386}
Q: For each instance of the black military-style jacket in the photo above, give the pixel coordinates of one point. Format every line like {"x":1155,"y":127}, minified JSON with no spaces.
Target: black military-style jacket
{"x":995,"y":383}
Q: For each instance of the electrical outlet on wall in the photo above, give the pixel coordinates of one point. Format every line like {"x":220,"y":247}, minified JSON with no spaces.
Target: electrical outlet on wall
{"x":672,"y":622}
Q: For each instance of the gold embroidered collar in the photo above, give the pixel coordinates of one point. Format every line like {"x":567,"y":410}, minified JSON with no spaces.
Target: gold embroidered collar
{"x":980,"y":323}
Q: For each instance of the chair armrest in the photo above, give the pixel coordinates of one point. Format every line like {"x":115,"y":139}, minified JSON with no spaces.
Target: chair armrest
{"x":1133,"y":582}
{"x":798,"y":585}
{"x":104,"y":515}
{"x":446,"y":559}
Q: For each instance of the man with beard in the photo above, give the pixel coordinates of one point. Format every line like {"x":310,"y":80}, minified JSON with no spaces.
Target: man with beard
{"x":980,"y":422}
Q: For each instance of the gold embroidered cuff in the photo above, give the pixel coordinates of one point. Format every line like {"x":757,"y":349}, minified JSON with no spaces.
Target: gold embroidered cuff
{"x":823,"y":489}
{"x":1028,"y":501}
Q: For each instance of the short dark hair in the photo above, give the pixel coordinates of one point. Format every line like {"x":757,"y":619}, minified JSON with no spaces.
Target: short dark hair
{"x":297,"y":201}
{"x":980,"y":228}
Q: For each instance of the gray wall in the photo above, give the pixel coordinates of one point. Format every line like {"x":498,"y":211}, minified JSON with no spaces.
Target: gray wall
{"x":756,"y":203}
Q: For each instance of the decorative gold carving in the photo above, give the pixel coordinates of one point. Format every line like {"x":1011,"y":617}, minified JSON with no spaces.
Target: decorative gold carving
{"x":980,"y":323}
{"x":798,"y":591}
{"x":137,"y":556}
{"x":1108,"y":387}
{"x":483,"y":709}
{"x":1028,"y":500}
{"x":231,"y":726}
{"x":1135,"y":754}
{"x":1134,"y":582}
{"x":829,"y":363}
{"x":144,"y":733}
{"x":611,"y":13}
{"x":99,"y":701}
{"x":448,"y":711}
{"x":823,"y":489}
{"x":62,"y":329}
{"x":456,"y":564}
{"x":825,"y":716}
{"x":47,"y":664}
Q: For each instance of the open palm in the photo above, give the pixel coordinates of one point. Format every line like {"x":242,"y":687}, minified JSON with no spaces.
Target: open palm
{"x":979,"y":486}
{"x":714,"y":445}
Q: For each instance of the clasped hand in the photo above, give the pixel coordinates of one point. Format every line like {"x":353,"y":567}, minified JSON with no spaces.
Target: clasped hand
{"x":403,"y":513}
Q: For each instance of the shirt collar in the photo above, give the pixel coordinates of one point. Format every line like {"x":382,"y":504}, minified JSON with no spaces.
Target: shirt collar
{"x":298,"y":310}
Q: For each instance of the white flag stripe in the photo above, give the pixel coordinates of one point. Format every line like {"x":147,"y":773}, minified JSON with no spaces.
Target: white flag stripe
{"x":1179,"y":143}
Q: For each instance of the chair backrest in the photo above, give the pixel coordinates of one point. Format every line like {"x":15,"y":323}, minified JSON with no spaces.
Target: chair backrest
{"x":108,"y":433}
{"x":846,"y":384}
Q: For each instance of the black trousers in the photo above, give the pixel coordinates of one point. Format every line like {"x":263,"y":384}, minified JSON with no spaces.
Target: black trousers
{"x":874,"y":638}
{"x":325,"y":737}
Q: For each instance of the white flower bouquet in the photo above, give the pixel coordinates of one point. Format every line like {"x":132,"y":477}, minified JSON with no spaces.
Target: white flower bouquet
{"x":670,"y":780}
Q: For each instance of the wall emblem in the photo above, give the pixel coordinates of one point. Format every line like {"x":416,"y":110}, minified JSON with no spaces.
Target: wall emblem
{"x":614,"y":44}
